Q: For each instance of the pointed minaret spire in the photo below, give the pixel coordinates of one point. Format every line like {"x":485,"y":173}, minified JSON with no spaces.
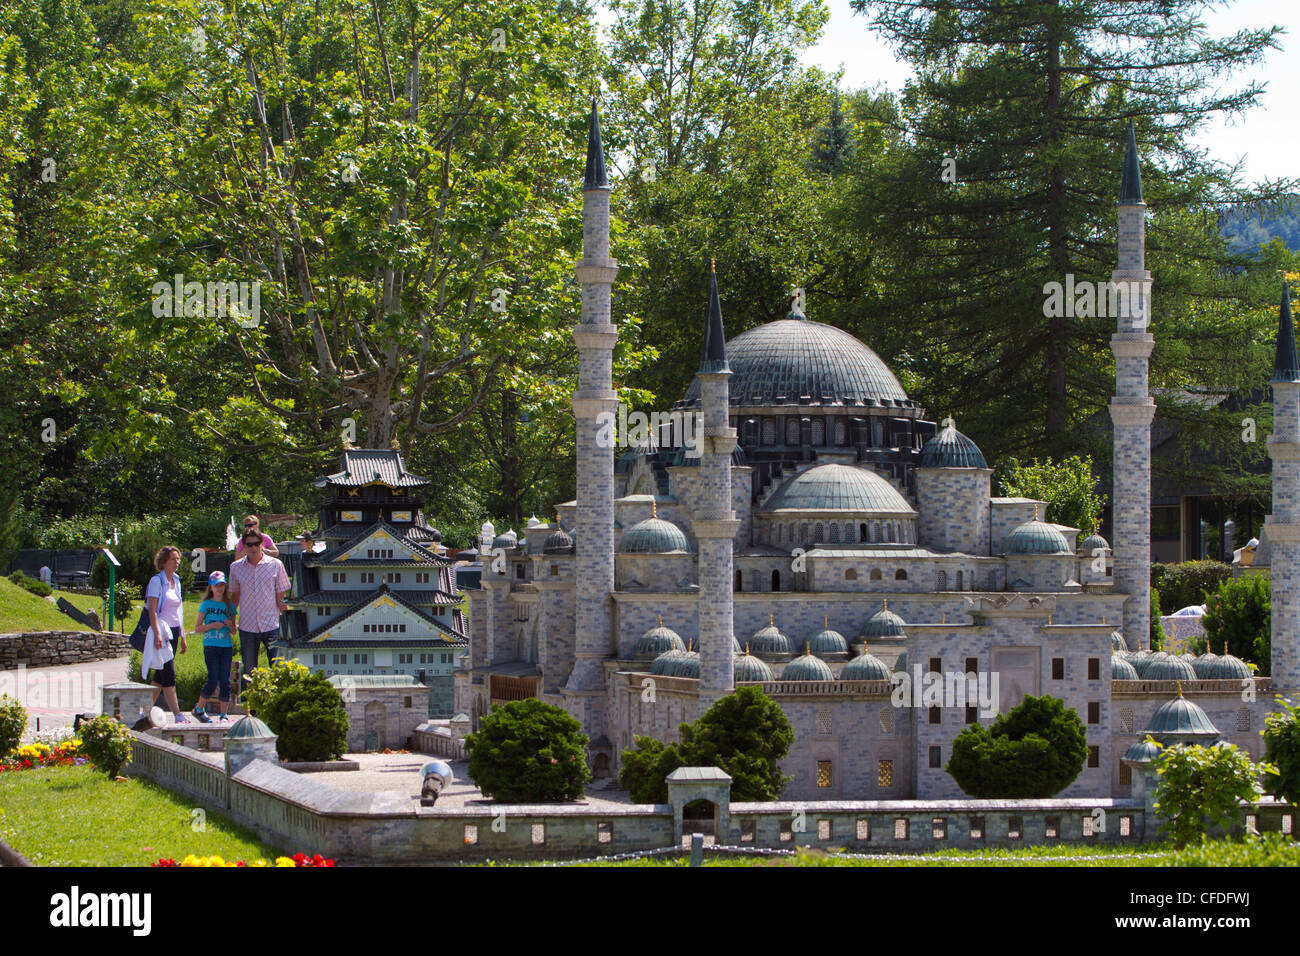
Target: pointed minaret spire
{"x":715,"y":339}
{"x":1285,"y":366}
{"x":1130,"y":182}
{"x":595,"y":176}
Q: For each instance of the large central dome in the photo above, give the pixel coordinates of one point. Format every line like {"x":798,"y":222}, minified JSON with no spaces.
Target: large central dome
{"x":797,"y":362}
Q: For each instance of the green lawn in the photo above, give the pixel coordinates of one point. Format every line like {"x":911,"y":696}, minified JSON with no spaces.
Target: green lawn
{"x":76,"y":816}
{"x":20,"y":610}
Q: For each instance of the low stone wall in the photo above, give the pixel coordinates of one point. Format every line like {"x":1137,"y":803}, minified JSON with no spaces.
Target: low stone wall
{"x":439,"y":743}
{"x":47,"y":648}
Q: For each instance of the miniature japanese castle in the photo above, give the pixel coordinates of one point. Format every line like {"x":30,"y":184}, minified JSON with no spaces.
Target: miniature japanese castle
{"x":381,"y":598}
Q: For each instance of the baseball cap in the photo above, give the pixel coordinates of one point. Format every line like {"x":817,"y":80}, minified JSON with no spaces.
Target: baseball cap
{"x":216,"y":577}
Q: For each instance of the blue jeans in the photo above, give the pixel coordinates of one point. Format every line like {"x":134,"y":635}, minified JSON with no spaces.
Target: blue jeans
{"x":218,"y":660}
{"x":249,"y":641}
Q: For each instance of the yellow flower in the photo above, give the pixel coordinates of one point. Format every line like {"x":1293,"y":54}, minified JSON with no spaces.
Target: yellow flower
{"x":191,"y":860}
{"x":216,"y":861}
{"x":284,"y":861}
{"x":259,"y":862}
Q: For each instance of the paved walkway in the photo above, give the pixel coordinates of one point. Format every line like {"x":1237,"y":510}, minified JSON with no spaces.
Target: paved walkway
{"x":53,"y":696}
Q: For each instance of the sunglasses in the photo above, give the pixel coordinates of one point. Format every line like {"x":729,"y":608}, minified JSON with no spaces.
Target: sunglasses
{"x":252,"y":544}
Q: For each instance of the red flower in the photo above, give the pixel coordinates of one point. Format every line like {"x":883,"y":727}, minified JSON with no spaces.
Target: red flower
{"x":166,"y":861}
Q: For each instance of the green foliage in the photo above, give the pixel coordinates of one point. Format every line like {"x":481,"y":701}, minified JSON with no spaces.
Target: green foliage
{"x":267,"y":683}
{"x":126,"y":594}
{"x":1264,"y":849}
{"x":13,"y":721}
{"x":1187,"y":584}
{"x":34,"y":585}
{"x":1157,"y":626}
{"x":1034,"y":751}
{"x":645,"y":768}
{"x":99,"y":574}
{"x":1282,"y":752}
{"x":745,"y":733}
{"x":1068,"y":487}
{"x":1238,"y":616}
{"x":528,"y":751}
{"x":309,"y":719}
{"x":106,"y":743}
{"x":1201,"y":787}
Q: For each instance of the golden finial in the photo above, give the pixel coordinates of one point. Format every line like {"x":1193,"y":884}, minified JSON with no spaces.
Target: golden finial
{"x":1103,"y":620}
{"x":886,"y":604}
{"x":747,"y":648}
{"x":1180,"y":688}
{"x":944,"y":619}
{"x":769,"y":620}
{"x":826,"y":621}
{"x":661,"y":620}
{"x":1049,"y":618}
{"x":1035,"y":510}
{"x":654,"y":509}
{"x":713,"y":264}
{"x":807,"y":647}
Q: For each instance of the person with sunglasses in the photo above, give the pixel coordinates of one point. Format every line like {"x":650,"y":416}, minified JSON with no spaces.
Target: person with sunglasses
{"x":253,"y":523}
{"x":258,"y":587}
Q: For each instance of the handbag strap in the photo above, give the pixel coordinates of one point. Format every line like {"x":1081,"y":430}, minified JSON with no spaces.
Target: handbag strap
{"x":163,"y":590}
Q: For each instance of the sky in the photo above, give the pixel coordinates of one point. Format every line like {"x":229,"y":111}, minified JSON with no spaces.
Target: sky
{"x":1265,"y":139}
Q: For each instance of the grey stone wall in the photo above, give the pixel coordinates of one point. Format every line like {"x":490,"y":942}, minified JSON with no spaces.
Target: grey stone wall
{"x":48,"y":648}
{"x":954,"y":509}
{"x":1005,"y":514}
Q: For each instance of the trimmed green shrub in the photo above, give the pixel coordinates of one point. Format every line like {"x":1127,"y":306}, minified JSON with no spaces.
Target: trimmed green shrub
{"x":34,"y":585}
{"x":1264,"y":849}
{"x":1200,"y":788}
{"x":528,"y":751}
{"x":1157,"y":627}
{"x":1239,"y":616}
{"x":1189,"y":583}
{"x":645,"y":768}
{"x":309,"y":720}
{"x":267,"y":683}
{"x":1067,"y":486}
{"x":126,"y":596}
{"x":745,"y":733}
{"x":1282,"y":752}
{"x":13,"y":721}
{"x":106,"y":743}
{"x":1034,"y":751}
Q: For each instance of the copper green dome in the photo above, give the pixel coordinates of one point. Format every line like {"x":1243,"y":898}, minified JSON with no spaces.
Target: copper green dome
{"x":676,"y":664}
{"x":1168,"y":668}
{"x":653,"y":536}
{"x":884,"y":623}
{"x":951,"y":449}
{"x":558,"y":541}
{"x":835,"y":487}
{"x":1181,"y":721}
{"x":1036,"y":537}
{"x":797,"y":362}
{"x":769,"y":642}
{"x":1121,"y":669}
{"x":1202,"y":664}
{"x":900,"y":665}
{"x":1144,"y":660}
{"x":807,"y":667}
{"x":826,"y":643}
{"x":1225,"y":667}
{"x":865,"y":667}
{"x":1089,"y":544}
{"x":1117,"y":641}
{"x":249,"y":728}
{"x":747,"y":667}
{"x":1144,"y":751}
{"x":656,"y":641}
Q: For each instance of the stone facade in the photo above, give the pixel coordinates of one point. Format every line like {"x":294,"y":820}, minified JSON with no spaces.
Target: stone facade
{"x":49,"y":648}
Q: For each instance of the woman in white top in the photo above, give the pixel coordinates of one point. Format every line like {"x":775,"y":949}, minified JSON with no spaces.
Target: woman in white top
{"x":166,"y":627}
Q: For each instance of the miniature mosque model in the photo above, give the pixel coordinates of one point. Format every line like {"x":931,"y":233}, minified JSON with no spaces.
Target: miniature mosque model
{"x":825,"y":542}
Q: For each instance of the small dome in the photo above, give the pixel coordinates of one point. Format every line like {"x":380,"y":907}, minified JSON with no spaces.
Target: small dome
{"x":1142,"y":660}
{"x":1202,"y":664}
{"x":676,"y":664}
{"x":1178,"y":719}
{"x":507,"y":540}
{"x":1036,"y":537}
{"x":1144,"y":751}
{"x":865,"y":667}
{"x":750,"y":668}
{"x":653,"y":536}
{"x":834,"y":487}
{"x":1168,"y":668}
{"x":1092,"y":542}
{"x":558,"y":541}
{"x":656,"y":641}
{"x":1121,"y":669}
{"x":828,"y":642}
{"x":769,"y":642}
{"x":1225,"y":667}
{"x":807,"y":667}
{"x":900,"y":665}
{"x":249,"y":728}
{"x":1117,"y":641}
{"x":735,"y":645}
{"x":884,"y":623}
{"x":951,"y":449}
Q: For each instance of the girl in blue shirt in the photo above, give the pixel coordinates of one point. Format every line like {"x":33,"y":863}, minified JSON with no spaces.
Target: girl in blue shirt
{"x":215,"y":618}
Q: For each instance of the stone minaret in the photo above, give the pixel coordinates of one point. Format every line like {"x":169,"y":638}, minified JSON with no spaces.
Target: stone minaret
{"x":1283,"y":525}
{"x":715,"y":522}
{"x":1131,"y":410}
{"x":595,"y":336}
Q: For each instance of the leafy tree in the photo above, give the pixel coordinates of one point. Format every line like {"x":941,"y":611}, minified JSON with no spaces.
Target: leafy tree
{"x":1238,"y":617}
{"x":309,"y":719}
{"x":1202,"y":787}
{"x":644,"y":769}
{"x":1031,"y":101}
{"x":528,"y":751}
{"x":745,"y":733}
{"x":1188,"y":584}
{"x":13,"y":721}
{"x":833,"y":145}
{"x":1068,"y":487}
{"x":1282,"y":752}
{"x":1034,"y":751}
{"x":267,"y":683}
{"x":106,"y":743}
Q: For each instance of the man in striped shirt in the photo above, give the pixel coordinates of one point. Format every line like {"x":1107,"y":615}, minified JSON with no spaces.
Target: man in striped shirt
{"x":258,"y":587}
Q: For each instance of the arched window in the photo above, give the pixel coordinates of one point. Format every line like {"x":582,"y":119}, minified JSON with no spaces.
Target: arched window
{"x":875,"y":574}
{"x":875,"y":531}
{"x":803,"y":538}
{"x":817,"y":535}
{"x":819,"y":431}
{"x":941,"y":580}
{"x":835,"y":533}
{"x":740,"y":584}
{"x":776,"y":580}
{"x":991,"y":583}
{"x":851,"y":574}
{"x":841,"y":432}
{"x":862,"y":531}
{"x":792,"y":431}
{"x":777,"y":529}
{"x":900,"y":575}
{"x":960,"y":583}
{"x":755,"y":580}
